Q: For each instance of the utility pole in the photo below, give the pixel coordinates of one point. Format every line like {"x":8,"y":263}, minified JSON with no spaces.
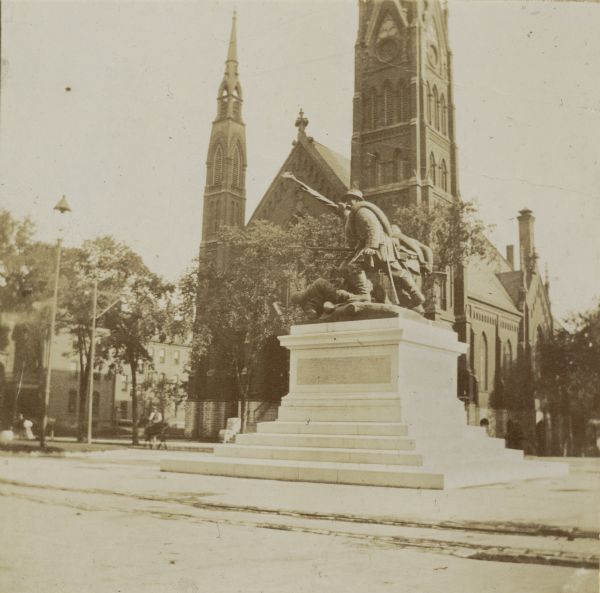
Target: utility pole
{"x":90,"y":392}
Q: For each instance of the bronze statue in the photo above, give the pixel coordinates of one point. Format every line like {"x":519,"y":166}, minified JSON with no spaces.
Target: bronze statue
{"x":382,"y":272}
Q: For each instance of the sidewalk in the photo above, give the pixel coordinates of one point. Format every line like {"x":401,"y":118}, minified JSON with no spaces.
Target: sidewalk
{"x":560,"y":506}
{"x":71,"y":445}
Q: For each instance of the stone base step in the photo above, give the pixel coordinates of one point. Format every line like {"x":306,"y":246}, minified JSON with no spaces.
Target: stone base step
{"x":333,"y":428}
{"x":357,"y":413}
{"x":304,"y":471}
{"x":373,"y":475}
{"x":371,"y":456}
{"x":397,"y":443}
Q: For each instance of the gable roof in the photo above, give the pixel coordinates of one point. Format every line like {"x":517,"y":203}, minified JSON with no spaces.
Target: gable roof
{"x":485,"y":286}
{"x":334,"y":165}
{"x":339,"y":164}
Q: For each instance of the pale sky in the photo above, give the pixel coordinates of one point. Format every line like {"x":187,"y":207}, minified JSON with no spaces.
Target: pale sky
{"x":127,"y":144}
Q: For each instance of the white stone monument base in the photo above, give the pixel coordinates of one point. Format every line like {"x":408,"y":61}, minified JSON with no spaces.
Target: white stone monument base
{"x":372,"y":402}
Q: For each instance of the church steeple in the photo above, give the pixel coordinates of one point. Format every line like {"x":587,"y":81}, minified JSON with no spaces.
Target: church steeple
{"x":225,"y":189}
{"x":230,"y":92}
{"x":403,"y":147}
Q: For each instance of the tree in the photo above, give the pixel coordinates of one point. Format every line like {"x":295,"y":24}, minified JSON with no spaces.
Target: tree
{"x":454,"y":231}
{"x":166,"y":394}
{"x":142,"y":318}
{"x":238,"y":293}
{"x":567,"y":380}
{"x":107,"y":261}
{"x":25,"y":286}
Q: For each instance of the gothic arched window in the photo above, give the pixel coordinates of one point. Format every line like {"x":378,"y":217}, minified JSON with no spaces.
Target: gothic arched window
{"x":483,"y":362}
{"x":444,"y":114}
{"x":218,"y":166}
{"x":374,"y":109}
{"x":436,"y":104}
{"x":218,"y":216}
{"x":399,"y":165}
{"x":432,"y":168}
{"x":429,"y":104}
{"x":367,"y":115}
{"x":401,"y":97}
{"x":444,"y":174}
{"x":374,"y":170}
{"x":388,"y":107}
{"x":237,"y":167}
{"x":508,"y":355}
{"x":223,"y":99}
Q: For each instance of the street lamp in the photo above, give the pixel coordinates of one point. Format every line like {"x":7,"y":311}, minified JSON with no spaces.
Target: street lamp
{"x":62,"y":207}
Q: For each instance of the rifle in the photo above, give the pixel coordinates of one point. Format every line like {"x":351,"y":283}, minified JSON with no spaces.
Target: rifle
{"x":309,"y":190}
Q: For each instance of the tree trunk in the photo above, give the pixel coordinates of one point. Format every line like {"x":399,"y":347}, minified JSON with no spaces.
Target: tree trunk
{"x":81,"y":412}
{"x":134,"y":403}
{"x":83,"y":382}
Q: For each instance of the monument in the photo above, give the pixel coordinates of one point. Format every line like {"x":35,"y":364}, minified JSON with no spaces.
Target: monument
{"x":372,"y":389}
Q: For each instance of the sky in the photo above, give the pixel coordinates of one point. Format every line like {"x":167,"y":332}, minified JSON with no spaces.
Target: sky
{"x":111,"y":104}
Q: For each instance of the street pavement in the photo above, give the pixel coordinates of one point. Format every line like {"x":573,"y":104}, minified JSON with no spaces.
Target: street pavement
{"x":110,"y":521}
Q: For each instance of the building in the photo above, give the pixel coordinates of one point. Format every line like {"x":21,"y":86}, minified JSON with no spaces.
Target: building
{"x":23,"y":375}
{"x":169,"y":367}
{"x":404,"y":152}
{"x":23,"y":359}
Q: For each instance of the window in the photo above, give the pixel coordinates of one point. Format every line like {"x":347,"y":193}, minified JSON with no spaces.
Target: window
{"x":444,"y":172}
{"x":176,"y":357}
{"x":374,"y":170}
{"x":508,"y":355}
{"x":217,"y":220}
{"x":218,"y":166}
{"x":123,"y":409}
{"x":399,"y":166}
{"x":436,"y":105}
{"x":444,"y":115}
{"x":400,"y":102}
{"x":367,"y":116}
{"x":374,"y":109}
{"x":429,"y":104}
{"x":140,"y":367}
{"x":483,"y":362}
{"x":161,"y":355}
{"x":96,"y":403}
{"x":72,"y":402}
{"x":124,"y":383}
{"x":388,"y":108}
{"x":432,"y":168}
{"x":151,"y":353}
{"x":162,"y":377}
{"x":237,"y":167}
{"x":73,"y":370}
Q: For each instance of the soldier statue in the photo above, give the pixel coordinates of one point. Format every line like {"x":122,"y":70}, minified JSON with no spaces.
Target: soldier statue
{"x":378,"y":248}
{"x":383,"y":269}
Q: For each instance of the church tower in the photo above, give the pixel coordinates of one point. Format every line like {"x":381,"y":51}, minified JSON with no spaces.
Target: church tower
{"x":403,"y":143}
{"x":225,"y":190}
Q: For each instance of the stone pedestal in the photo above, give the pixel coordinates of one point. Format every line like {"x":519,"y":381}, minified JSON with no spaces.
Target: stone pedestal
{"x":372,"y":402}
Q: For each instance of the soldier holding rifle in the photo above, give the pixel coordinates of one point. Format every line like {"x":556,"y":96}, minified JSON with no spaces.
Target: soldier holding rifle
{"x":377,"y":246}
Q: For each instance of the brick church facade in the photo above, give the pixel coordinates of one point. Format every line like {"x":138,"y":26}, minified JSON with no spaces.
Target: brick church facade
{"x":403,"y":151}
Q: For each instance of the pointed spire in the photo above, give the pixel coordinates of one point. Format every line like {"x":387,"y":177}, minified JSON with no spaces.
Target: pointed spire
{"x":232,"y":52}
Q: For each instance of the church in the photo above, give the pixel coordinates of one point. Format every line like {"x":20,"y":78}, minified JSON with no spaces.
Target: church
{"x":403,"y":151}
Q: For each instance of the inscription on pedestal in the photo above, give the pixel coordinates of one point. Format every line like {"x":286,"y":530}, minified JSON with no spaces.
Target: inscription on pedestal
{"x":361,"y":370}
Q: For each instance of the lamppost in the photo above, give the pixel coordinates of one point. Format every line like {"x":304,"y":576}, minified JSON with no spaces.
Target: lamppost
{"x":61,"y":207}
